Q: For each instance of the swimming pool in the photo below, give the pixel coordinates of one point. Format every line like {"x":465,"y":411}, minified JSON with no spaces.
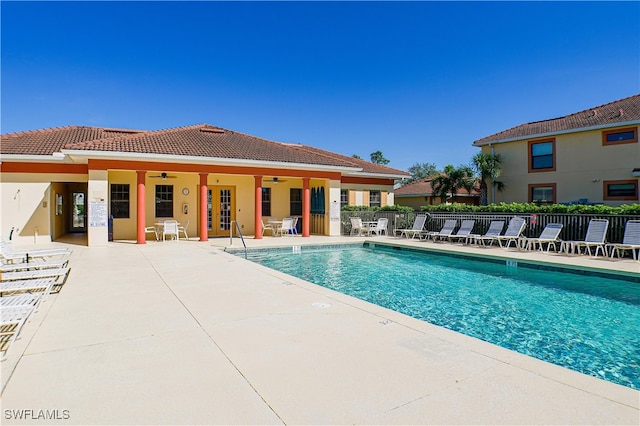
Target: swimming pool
{"x":588,"y":323}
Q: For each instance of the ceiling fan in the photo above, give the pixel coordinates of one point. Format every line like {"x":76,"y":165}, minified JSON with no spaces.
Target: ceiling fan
{"x":163,"y":176}
{"x":274,"y":180}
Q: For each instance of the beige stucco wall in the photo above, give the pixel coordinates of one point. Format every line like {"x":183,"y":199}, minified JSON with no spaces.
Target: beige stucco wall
{"x":28,"y":203}
{"x":582,"y":164}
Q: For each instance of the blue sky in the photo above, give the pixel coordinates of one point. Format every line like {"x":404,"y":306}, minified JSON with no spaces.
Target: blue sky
{"x":419,"y":81}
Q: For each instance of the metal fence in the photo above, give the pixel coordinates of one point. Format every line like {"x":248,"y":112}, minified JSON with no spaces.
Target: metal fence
{"x":574,"y":225}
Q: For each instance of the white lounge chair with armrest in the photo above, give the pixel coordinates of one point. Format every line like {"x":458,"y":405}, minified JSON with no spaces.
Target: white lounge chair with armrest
{"x":182,"y":229}
{"x":170,"y":229}
{"x":59,"y":276}
{"x":513,"y":233}
{"x":40,"y":285}
{"x":34,"y":264}
{"x":379,"y":228}
{"x":596,"y":237}
{"x":356,"y":226}
{"x":285,"y":227}
{"x":549,"y":235}
{"x":464,"y":232}
{"x":630,"y":240}
{"x":416,"y":229}
{"x":495,"y":229}
{"x":12,"y":318}
{"x":10,"y":254}
{"x":444,"y":232}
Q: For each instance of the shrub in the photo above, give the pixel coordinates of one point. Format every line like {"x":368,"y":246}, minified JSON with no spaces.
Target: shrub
{"x":626,"y":209}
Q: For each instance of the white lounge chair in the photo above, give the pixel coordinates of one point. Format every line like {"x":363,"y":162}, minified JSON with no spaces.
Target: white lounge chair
{"x":630,"y":240}
{"x":356,"y":226}
{"x":416,"y":229}
{"x":444,"y":232}
{"x":464,"y":232}
{"x":58,"y":273}
{"x":34,"y":264}
{"x":379,"y":228}
{"x":513,"y":233}
{"x":12,"y":318}
{"x":495,"y":229}
{"x":11,"y":254}
{"x":182,"y":229}
{"x":549,"y":235}
{"x":40,"y":285}
{"x":285,"y":227}
{"x":596,"y":237}
{"x":170,"y":229}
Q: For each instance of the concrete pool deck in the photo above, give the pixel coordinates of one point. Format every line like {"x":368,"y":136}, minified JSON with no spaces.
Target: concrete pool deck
{"x":185,"y":333}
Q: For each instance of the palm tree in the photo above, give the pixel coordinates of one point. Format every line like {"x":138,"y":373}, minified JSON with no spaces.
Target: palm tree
{"x":488,"y":167}
{"x":452,"y":180}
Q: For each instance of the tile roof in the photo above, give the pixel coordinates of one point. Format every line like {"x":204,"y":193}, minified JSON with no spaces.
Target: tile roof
{"x":202,"y":140}
{"x":48,"y":141}
{"x":422,"y":187}
{"x":621,"y":111}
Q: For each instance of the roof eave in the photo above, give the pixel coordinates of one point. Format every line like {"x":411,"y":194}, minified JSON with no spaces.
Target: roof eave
{"x":561,"y":132}
{"x":187,"y":159}
{"x":56,"y":157}
{"x":377,"y":175}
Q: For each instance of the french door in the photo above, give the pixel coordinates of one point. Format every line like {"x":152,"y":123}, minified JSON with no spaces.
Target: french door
{"x":220,"y":210}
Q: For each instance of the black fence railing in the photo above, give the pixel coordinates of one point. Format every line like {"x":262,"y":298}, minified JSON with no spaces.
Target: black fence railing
{"x":574,"y":225}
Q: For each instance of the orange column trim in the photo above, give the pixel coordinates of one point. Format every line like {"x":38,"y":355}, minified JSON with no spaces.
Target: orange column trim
{"x":258,"y":208}
{"x":204,"y":232}
{"x":306,"y":207}
{"x":141,"y":211}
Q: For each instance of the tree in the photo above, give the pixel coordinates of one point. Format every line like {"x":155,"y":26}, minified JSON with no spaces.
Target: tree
{"x":356,"y":156}
{"x":451,"y":180}
{"x":489,"y":168}
{"x":378,"y":158}
{"x":420,"y":171}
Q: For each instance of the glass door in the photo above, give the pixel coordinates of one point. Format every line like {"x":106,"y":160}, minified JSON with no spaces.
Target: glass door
{"x":78,"y":212}
{"x":220,"y":210}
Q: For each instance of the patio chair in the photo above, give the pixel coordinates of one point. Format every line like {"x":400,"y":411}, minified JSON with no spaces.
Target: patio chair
{"x":152,"y":230}
{"x":34,"y":264}
{"x":58,"y":273}
{"x":266,"y":226}
{"x":596,"y":237}
{"x":170,"y":229}
{"x":285,"y":227}
{"x":12,"y":319}
{"x":379,"y":228}
{"x":549,"y":235}
{"x":444,"y":232}
{"x":356,"y":226}
{"x":495,"y":229}
{"x":11,"y":254}
{"x":513,"y":234}
{"x":183,"y":229}
{"x":630,"y":240}
{"x":294,"y":225}
{"x":464,"y":232}
{"x":416,"y":229}
{"x":41,"y":285}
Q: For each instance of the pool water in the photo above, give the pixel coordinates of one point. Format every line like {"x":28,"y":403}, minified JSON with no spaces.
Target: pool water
{"x":590,"y":324}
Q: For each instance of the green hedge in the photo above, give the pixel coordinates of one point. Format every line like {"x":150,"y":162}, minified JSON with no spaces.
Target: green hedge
{"x":626,"y":209}
{"x":393,"y":208}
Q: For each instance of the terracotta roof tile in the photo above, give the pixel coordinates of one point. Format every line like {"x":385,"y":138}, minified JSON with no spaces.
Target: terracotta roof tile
{"x":48,"y":141}
{"x":202,"y":140}
{"x":423,"y":187}
{"x":621,"y":111}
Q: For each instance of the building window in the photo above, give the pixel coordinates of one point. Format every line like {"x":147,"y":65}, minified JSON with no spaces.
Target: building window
{"x":542,"y":193}
{"x":542,"y":156}
{"x":621,"y":190}
{"x":344,"y":197}
{"x":266,"y":201}
{"x":620,"y":136}
{"x":164,"y":200}
{"x":119,"y":201}
{"x":374,"y":198}
{"x":295,"y":202}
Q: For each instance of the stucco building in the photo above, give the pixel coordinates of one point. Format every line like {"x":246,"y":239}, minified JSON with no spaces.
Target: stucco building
{"x":591,"y":156}
{"x":75,"y":179}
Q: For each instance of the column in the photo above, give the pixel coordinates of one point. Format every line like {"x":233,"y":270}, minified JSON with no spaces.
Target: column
{"x":258,"y":208}
{"x":141,"y":212}
{"x":306,"y":207}
{"x":204,"y":231}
